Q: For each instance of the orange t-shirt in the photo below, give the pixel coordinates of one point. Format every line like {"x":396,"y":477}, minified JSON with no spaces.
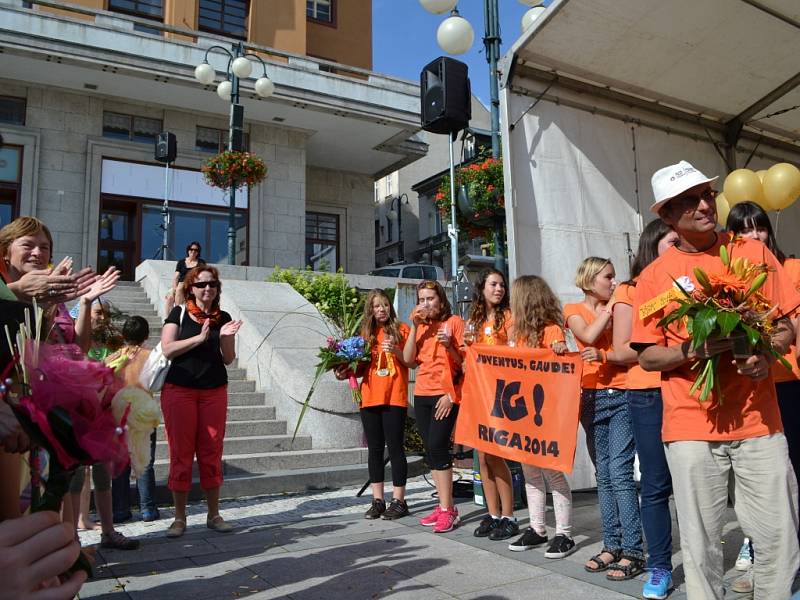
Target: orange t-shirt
{"x":596,"y":375}
{"x":780,"y":373}
{"x":750,"y":408}
{"x":487,"y":334}
{"x":391,"y":389}
{"x":434,"y":362}
{"x":552,"y":334}
{"x":638,"y":378}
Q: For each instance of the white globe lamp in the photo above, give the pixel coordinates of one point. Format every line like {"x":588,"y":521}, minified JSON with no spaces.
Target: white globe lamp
{"x":438,"y":7}
{"x":530,"y":17}
{"x":264,"y":87}
{"x":204,"y":73}
{"x":224,"y":90}
{"x":242,"y":67}
{"x":455,"y":35}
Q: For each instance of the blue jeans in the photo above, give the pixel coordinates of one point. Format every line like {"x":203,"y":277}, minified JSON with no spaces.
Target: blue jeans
{"x":146,"y":485}
{"x":606,"y":413}
{"x":646,"y":411}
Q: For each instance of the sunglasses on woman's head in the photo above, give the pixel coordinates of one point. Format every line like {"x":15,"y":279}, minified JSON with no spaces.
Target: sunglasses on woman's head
{"x":427,"y":285}
{"x":205,"y":284}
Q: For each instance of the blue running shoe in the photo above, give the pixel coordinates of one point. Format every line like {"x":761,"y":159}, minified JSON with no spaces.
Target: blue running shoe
{"x":659,"y":584}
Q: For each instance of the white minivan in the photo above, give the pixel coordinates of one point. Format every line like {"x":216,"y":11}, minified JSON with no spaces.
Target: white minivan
{"x":410,"y":271}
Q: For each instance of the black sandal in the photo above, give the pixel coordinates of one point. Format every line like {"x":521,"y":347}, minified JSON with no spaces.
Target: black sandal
{"x":601,"y":564}
{"x":635,"y":567}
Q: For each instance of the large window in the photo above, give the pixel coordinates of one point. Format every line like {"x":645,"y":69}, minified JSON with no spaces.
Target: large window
{"x":321,"y":10}
{"x":213,"y":140}
{"x":227,"y":17}
{"x":10,"y":170}
{"x":322,"y":241}
{"x":147,"y":9}
{"x":128,"y":127}
{"x":12,"y":110}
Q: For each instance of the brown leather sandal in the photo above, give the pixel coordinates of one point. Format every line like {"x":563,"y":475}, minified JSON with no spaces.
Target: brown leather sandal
{"x":601,"y":564}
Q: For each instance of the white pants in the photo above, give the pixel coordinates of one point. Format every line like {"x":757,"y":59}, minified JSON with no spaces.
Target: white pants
{"x":765,"y":503}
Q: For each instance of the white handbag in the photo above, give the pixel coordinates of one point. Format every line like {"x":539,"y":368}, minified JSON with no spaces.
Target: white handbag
{"x":155,"y":369}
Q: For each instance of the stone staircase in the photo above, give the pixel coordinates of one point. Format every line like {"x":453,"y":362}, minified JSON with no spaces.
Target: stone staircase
{"x":259,"y":457}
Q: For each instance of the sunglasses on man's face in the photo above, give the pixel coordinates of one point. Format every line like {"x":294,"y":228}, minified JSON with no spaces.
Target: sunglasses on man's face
{"x":427,"y":285}
{"x":689,"y":202}
{"x":194,"y":249}
{"x":205,"y":284}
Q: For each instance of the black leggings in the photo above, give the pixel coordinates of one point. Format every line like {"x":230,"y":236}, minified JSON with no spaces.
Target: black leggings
{"x":435,"y":432}
{"x":385,"y":426}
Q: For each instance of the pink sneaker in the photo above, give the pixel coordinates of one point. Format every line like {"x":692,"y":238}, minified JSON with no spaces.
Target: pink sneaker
{"x":447,"y":520}
{"x":432,"y":518}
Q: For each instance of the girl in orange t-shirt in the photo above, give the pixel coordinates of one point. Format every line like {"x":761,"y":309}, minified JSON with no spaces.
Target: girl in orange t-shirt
{"x":749,"y":220}
{"x":607,"y":422}
{"x":646,"y":409}
{"x":435,"y":344}
{"x":384,"y":402}
{"x":488,"y":323}
{"x":537,"y":323}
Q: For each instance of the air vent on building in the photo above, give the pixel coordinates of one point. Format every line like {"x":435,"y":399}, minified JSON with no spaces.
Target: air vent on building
{"x":278,"y":119}
{"x":89,"y":86}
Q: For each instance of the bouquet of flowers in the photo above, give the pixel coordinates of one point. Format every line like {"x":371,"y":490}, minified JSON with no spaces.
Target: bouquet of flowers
{"x":63,"y":402}
{"x":350,"y":352}
{"x":232,"y":168}
{"x":726,"y":305}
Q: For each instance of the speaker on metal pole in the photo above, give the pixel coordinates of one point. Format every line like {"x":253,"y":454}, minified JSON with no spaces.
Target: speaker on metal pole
{"x":166,"y":147}
{"x":445,"y":95}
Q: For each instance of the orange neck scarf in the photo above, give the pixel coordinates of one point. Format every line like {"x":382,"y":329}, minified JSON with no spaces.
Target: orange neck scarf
{"x":201,"y":316}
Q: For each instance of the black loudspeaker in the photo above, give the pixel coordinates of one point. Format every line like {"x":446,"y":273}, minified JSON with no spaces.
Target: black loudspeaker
{"x":166,"y":147}
{"x":445,"y":96}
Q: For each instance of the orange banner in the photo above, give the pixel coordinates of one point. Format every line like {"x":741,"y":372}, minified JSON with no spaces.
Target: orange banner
{"x":522,"y":404}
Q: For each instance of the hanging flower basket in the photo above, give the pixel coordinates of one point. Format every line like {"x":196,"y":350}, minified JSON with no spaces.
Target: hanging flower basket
{"x":479,"y":196}
{"x":234,"y":169}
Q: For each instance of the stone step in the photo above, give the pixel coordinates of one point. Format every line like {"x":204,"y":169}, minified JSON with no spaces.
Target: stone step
{"x":136,"y":308}
{"x":255,"y":444}
{"x":239,"y":398}
{"x":250,"y":413}
{"x":235,"y":429}
{"x":267,"y":462}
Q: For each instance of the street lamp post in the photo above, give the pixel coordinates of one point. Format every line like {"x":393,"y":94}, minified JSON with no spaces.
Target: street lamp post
{"x":455,"y":36}
{"x":239,"y":67}
{"x":392,"y":215}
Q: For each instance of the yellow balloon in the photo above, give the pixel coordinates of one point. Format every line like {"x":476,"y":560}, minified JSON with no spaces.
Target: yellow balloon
{"x":743,"y":185}
{"x":723,"y":209}
{"x":761,"y":174}
{"x":781,"y":186}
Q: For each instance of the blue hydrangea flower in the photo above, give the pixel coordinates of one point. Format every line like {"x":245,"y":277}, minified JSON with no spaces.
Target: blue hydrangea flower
{"x":351,"y":348}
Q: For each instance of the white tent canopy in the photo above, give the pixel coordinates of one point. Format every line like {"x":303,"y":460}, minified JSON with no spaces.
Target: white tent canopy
{"x":598,"y":94}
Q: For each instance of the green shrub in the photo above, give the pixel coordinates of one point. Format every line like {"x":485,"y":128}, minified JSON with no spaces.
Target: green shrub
{"x":329,"y":292}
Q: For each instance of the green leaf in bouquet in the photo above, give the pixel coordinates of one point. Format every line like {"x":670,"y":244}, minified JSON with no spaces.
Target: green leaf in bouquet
{"x":321,"y":369}
{"x":727,"y":321}
{"x":676,"y":314}
{"x":702,"y":325}
{"x":753,"y":335}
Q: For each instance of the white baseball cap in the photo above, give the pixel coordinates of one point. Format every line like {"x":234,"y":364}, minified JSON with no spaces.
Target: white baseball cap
{"x":673,"y":180}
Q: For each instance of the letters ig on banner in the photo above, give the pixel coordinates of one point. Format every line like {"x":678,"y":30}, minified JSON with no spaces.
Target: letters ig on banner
{"x":522,"y":404}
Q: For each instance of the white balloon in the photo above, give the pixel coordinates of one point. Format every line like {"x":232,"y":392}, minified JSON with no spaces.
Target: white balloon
{"x":264,"y":87}
{"x":204,"y":73}
{"x":242,"y":67}
{"x":530,"y":17}
{"x":455,"y":35}
{"x":438,"y":7}
{"x":224,"y":90}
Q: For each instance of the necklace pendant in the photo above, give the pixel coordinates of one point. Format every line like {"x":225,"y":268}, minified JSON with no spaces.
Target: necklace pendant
{"x":383,"y":372}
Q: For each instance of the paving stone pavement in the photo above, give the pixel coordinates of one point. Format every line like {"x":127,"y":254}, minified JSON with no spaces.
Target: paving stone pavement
{"x":317,"y":545}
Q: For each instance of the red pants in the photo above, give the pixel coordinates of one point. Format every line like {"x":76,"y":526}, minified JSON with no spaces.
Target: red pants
{"x":195,"y":424}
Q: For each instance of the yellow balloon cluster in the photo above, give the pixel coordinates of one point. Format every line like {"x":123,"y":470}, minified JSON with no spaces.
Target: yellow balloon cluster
{"x":775,"y":188}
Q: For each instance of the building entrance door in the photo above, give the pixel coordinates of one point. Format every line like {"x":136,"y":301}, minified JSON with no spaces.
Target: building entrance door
{"x":118,"y":237}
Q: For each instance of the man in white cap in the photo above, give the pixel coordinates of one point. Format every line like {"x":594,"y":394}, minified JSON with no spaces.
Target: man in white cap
{"x":742,"y":436}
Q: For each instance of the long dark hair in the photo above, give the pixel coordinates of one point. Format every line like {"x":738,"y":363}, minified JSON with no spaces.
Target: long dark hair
{"x":749,"y":215}
{"x":479,"y":312}
{"x":445,"y":312}
{"x":647,"y":251}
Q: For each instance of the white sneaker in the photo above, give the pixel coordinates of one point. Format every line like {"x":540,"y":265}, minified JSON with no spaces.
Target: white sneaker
{"x":743,"y":561}
{"x":744,"y":583}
